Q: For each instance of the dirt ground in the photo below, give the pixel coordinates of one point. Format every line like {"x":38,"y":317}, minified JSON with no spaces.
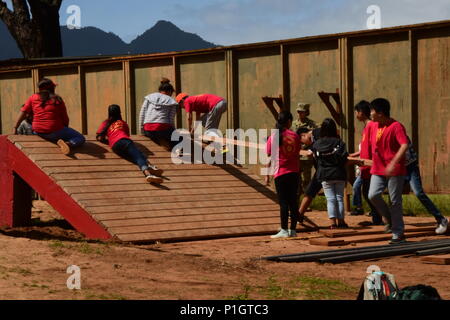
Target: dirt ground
{"x":34,"y":262}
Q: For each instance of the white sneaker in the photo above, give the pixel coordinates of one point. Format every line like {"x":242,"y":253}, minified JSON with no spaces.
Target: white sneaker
{"x":442,"y":227}
{"x":292,"y":233}
{"x":282,"y":234}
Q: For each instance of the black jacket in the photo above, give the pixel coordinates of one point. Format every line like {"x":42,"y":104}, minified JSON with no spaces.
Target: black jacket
{"x":331,"y":156}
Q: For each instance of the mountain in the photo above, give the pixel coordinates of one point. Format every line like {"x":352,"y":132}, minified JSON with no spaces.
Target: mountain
{"x":164,"y":36}
{"x":91,"y":41}
{"x":9,"y":48}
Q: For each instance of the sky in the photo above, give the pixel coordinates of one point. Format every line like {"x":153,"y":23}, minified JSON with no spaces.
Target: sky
{"x":231,"y":22}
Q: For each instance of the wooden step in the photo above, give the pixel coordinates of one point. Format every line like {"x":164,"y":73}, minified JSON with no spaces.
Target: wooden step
{"x":437,"y":259}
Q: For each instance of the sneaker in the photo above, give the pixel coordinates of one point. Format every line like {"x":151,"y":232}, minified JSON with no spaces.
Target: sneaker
{"x":154,"y":179}
{"x":65,"y":149}
{"x":398,"y":239}
{"x":387,"y":228}
{"x":282,"y":234}
{"x":292,"y":233}
{"x":342,"y":225}
{"x":357,"y":212}
{"x":442,"y":227}
{"x":154,"y":170}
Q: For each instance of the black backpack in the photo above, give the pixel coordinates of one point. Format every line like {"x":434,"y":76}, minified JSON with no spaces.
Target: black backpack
{"x":418,"y":292}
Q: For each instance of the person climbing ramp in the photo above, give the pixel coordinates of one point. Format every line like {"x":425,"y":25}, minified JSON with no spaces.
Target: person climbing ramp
{"x":117,"y":134}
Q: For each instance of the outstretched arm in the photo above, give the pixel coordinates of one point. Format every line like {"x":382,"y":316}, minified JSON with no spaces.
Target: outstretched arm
{"x":22,"y":116}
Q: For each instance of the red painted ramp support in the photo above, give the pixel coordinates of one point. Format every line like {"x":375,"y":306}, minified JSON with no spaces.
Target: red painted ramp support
{"x":18,"y":174}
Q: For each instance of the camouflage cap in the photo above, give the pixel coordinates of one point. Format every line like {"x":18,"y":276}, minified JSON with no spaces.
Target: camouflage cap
{"x":303,"y":107}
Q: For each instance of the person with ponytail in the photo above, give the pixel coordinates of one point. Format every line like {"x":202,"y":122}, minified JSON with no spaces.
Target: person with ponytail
{"x":157,"y":116}
{"x":50,"y":119}
{"x":287,"y":173}
{"x":116,"y":132}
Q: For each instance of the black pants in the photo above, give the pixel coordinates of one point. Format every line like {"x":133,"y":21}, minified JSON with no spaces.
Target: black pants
{"x":163,"y":136}
{"x":287,"y":190}
{"x":376,"y":217}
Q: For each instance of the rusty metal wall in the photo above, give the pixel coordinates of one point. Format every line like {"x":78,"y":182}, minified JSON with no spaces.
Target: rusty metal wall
{"x":381,"y":69}
{"x":407,"y":65}
{"x":259,"y":75}
{"x":15,"y":89}
{"x":204,"y":74}
{"x":104,"y":86}
{"x":147,"y":77}
{"x":434,"y":109}
{"x":68,"y":87}
{"x":313,"y":68}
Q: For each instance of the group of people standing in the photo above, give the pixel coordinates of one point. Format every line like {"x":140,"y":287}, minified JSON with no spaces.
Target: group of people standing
{"x":384,"y":145}
{"x":45,"y":114}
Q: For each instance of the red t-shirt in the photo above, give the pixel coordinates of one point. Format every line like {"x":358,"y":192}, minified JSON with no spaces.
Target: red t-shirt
{"x":203,"y":103}
{"x":157,"y":126}
{"x":385,"y":143}
{"x":116,"y":131}
{"x":49,"y":118}
{"x":365,"y":151}
{"x":288,"y":155}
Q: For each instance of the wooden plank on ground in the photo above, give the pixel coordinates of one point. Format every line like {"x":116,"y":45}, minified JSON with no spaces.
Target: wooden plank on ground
{"x":337,"y":233}
{"x":437,"y":259}
{"x":364,"y":238}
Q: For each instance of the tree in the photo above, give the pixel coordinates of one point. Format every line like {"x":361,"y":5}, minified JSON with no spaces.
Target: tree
{"x":34,"y":24}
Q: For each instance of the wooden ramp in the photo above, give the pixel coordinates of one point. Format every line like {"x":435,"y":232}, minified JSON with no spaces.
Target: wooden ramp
{"x":104,"y":196}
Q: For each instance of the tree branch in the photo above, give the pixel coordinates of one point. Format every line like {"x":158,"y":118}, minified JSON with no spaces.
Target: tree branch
{"x":5,"y":14}
{"x":21,"y":9}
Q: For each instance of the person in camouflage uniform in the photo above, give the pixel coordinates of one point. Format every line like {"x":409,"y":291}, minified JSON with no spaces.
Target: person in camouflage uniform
{"x":303,"y":110}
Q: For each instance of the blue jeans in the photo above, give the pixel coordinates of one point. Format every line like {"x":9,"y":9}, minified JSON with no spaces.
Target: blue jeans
{"x":357,"y":197}
{"x":69,"y":135}
{"x":126,"y":149}
{"x":334,"y":192}
{"x":393,"y":214}
{"x":415,"y":181}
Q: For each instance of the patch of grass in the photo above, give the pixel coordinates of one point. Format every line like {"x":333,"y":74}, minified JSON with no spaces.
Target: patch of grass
{"x":35,"y":286}
{"x":57,"y":245}
{"x":86,"y":248}
{"x":21,"y":271}
{"x":243,"y":296}
{"x":411,"y":205}
{"x":276,"y":291}
{"x":299,"y":288}
{"x":312,"y":288}
{"x":111,"y":296}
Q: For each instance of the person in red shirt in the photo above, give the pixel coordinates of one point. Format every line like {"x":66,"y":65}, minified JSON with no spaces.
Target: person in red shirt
{"x":208,"y":108}
{"x":388,"y":145}
{"x":117,"y":134}
{"x":287,"y":173}
{"x":50,"y":119}
{"x":362,"y":111}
